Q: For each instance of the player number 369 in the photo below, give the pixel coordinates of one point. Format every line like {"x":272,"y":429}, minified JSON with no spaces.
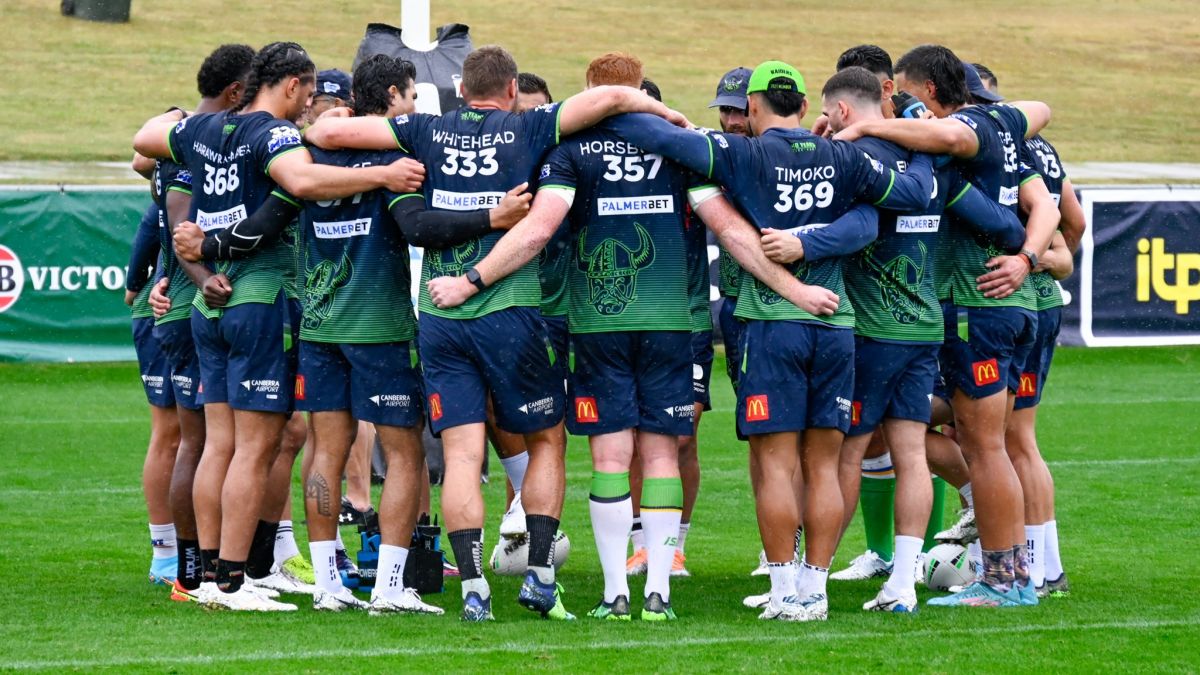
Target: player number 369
{"x":804,"y":196}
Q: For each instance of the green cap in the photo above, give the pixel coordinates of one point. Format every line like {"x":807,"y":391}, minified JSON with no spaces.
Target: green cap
{"x":776,"y":76}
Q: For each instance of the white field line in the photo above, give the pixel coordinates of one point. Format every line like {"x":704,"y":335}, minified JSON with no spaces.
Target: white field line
{"x":134,"y":489}
{"x":800,"y":636}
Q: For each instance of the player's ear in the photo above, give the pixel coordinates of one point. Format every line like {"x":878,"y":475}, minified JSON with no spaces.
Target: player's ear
{"x":233,"y":93}
{"x":889,"y":88}
{"x":804,"y":107}
{"x":512,"y":88}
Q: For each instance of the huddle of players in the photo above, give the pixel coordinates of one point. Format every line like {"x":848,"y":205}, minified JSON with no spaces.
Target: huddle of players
{"x":617,"y":191}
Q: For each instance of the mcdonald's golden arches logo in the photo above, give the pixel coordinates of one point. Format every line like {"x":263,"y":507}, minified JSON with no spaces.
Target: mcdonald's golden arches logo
{"x":757,"y":409}
{"x":585,"y":410}
{"x":985,"y":372}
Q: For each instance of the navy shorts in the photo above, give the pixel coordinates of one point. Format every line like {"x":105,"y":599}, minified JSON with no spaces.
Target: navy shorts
{"x":1037,"y":366}
{"x":176,"y":340}
{"x":891,"y":381}
{"x":507,"y":353}
{"x":247,"y":356}
{"x":378,"y":383}
{"x":560,"y":336}
{"x":702,"y":362}
{"x":797,"y":376}
{"x":731,"y":335}
{"x":631,"y":380}
{"x":153,"y":366}
{"x":990,"y":353}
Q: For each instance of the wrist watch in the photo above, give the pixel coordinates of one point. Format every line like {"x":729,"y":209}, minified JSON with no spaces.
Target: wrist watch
{"x":1030,"y":257}
{"x":476,"y":280}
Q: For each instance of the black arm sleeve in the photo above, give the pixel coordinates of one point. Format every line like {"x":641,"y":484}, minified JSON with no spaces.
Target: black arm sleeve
{"x":438,"y":229}
{"x":262,"y":227}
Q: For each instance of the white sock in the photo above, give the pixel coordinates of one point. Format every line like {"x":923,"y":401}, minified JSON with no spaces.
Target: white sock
{"x":783,"y":580}
{"x":637,"y":534}
{"x":1035,"y":544}
{"x":611,"y":522}
{"x":324,"y":562}
{"x":341,"y":546}
{"x":662,"y":529}
{"x":967,"y":494}
{"x":811,"y":580}
{"x":904,"y":565}
{"x":162,"y":540}
{"x":683,"y":530}
{"x":1052,"y":568}
{"x":479,"y":585}
{"x":515,"y":467}
{"x":285,"y":543}
{"x":878,"y":467}
{"x":389,"y":575}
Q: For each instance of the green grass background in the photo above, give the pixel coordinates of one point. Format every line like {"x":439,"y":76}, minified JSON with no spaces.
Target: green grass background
{"x":1119,"y":74}
{"x":1119,"y":427}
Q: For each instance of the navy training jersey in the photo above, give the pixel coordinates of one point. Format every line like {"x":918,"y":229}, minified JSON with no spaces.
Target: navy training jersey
{"x":891,"y":282}
{"x":355,"y":279}
{"x":228,"y":155}
{"x":1039,"y":158}
{"x":472,"y":157}
{"x":172,"y":176}
{"x":995,"y":171}
{"x":792,"y":180}
{"x":630,"y":245}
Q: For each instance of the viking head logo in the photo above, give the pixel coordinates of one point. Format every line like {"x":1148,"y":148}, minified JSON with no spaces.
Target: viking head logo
{"x":1043,"y":285}
{"x":455,"y":261}
{"x":769,"y":297}
{"x":730,"y":271}
{"x":320,"y":287}
{"x":899,"y":284}
{"x":732,"y":84}
{"x":612,"y":268}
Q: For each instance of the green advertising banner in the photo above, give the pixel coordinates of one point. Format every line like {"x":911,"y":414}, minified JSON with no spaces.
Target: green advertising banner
{"x":63,"y":254}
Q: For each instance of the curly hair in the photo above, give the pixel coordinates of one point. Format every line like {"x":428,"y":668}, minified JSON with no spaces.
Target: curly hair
{"x":372,"y":79}
{"x":226,"y":65}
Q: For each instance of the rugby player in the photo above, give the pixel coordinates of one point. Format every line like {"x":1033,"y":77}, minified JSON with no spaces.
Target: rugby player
{"x":623,"y":350}
{"x":357,"y":362}
{"x":240,"y":322}
{"x":1041,"y":527}
{"x":990,"y":292}
{"x":786,"y":177}
{"x":497,"y":341}
{"x":221,"y":81}
{"x":155,"y":371}
{"x":334,"y":90}
{"x":898,"y":331}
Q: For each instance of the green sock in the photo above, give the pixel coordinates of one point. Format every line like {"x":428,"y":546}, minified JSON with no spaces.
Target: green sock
{"x":937,"y":514}
{"x":877,"y":497}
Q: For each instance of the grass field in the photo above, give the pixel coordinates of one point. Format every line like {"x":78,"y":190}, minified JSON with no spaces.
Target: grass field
{"x":1118,"y":426}
{"x":1116,"y":72}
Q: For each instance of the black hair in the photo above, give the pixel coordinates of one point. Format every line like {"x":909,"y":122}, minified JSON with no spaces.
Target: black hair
{"x":651,"y":89}
{"x":783,"y":103}
{"x":274,"y":63}
{"x":226,"y":65}
{"x":855,"y":81}
{"x":529,"y":83}
{"x":873,"y":58}
{"x":372,"y":79}
{"x":987,"y":76}
{"x":939,"y":65}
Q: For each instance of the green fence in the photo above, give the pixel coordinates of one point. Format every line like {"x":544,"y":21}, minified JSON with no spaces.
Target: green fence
{"x":63,"y":254}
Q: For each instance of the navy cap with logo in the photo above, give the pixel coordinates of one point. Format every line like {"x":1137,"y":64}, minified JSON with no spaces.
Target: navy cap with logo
{"x":333,"y":82}
{"x":975,"y":85}
{"x":731,"y":91}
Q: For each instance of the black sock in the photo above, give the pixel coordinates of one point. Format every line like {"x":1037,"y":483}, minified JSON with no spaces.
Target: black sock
{"x":262,"y":550}
{"x":208,"y":563}
{"x":230,"y":575}
{"x":190,"y":569}
{"x":541,"y":539}
{"x":468,"y":552}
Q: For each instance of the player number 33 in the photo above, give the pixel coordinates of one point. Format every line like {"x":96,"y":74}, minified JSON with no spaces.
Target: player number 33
{"x":804,"y":196}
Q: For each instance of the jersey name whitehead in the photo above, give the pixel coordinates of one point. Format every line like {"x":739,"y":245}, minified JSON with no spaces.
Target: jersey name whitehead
{"x":917,"y":224}
{"x":627,"y":206}
{"x":342,"y":229}
{"x":465,"y":201}
{"x":220,"y":219}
